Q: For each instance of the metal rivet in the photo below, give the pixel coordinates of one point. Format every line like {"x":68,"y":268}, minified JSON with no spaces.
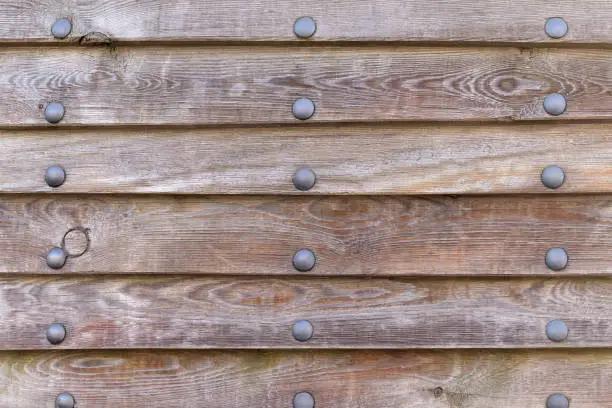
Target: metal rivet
{"x":556,"y":258}
{"x":304,"y":260}
{"x":555,"y":104}
{"x":556,"y":330}
{"x":303,"y":108}
{"x":56,"y":333}
{"x":303,"y":400}
{"x":61,"y":28}
{"x":556,"y":27}
{"x":553,"y":177}
{"x":54,"y":112}
{"x":305,"y":27}
{"x":304,"y":179}
{"x":56,"y":258}
{"x":55,"y":176}
{"x":64,"y":400}
{"x":302,"y":330}
{"x":557,"y":401}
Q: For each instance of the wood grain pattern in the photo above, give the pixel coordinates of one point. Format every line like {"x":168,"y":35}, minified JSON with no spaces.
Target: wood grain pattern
{"x":501,"y":235}
{"x":341,"y":20}
{"x":269,"y":379}
{"x":418,"y":159}
{"x":250,"y":313}
{"x":240,"y":85}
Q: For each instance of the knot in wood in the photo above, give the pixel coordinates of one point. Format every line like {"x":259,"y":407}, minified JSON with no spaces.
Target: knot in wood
{"x":76,"y":242}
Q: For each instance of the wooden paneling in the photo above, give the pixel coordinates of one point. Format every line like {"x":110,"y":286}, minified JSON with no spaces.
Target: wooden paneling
{"x":232,"y":312}
{"x":349,"y":379}
{"x":243,"y":85}
{"x":344,"y":20}
{"x":499,"y":235}
{"x":417,"y":159}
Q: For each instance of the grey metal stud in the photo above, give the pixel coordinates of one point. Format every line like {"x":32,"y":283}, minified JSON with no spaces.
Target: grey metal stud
{"x":61,"y":28}
{"x":555,"y":104}
{"x":304,"y":260}
{"x":56,"y":258}
{"x":303,"y":400}
{"x":556,"y":330}
{"x":556,"y":258}
{"x":56,"y":333}
{"x":302,"y":330}
{"x":304,"y":179}
{"x":55,"y":176}
{"x":556,"y":27}
{"x":64,"y":400}
{"x":305,"y":27}
{"x":54,"y":112}
{"x":557,"y":401}
{"x":303,"y":108}
{"x":553,"y":177}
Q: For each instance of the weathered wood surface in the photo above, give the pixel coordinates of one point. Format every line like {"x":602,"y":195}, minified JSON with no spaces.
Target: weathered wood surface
{"x":394,"y":20}
{"x":417,"y":159}
{"x":269,"y":379}
{"x":500,"y":235}
{"x":242,"y":85}
{"x":232,"y":312}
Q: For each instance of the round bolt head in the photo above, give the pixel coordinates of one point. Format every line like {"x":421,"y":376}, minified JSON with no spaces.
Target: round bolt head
{"x":556,"y":259}
{"x":553,"y":177}
{"x":61,"y":28}
{"x":304,"y":179}
{"x":56,"y":333}
{"x":54,"y":112}
{"x":55,"y":176}
{"x":304,"y":260}
{"x":64,"y":400}
{"x":56,"y":258}
{"x":305,"y":27}
{"x":303,"y":108}
{"x":556,"y":27}
{"x":303,"y":400}
{"x":302,"y":330}
{"x":557,"y":401}
{"x":556,"y":330}
{"x":555,"y":104}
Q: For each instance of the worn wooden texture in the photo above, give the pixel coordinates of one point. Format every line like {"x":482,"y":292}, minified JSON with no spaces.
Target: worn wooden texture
{"x":499,"y":235}
{"x":242,"y":85}
{"x":394,"y":20}
{"x":269,"y":379}
{"x":231,"y":312}
{"x":417,"y":159}
{"x":503,"y":235}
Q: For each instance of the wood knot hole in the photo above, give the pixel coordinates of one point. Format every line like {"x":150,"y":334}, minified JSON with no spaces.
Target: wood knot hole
{"x":94,"y":38}
{"x":438,"y":391}
{"x":76,"y":241}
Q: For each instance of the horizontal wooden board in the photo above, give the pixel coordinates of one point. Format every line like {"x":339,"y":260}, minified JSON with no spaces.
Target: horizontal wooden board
{"x":499,"y":235}
{"x":242,"y":85}
{"x":269,"y":379}
{"x":343,"y":20}
{"x":232,"y":312}
{"x":417,"y":159}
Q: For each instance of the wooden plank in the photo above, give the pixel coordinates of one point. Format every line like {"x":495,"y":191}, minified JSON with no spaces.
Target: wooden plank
{"x":418,"y":159}
{"x":240,"y":85}
{"x":254,"y":312}
{"x":269,"y":379}
{"x":344,"y":20}
{"x":391,"y":236}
